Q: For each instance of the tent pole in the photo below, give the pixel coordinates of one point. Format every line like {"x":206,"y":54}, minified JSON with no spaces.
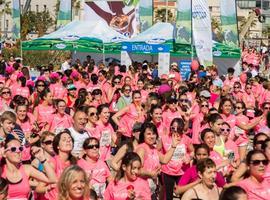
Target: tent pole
{"x":167,"y":10}
{"x":192,"y":48}
{"x":103,"y":54}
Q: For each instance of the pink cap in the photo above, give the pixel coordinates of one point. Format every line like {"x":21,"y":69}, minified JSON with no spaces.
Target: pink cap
{"x":164,"y":88}
{"x":41,"y":78}
{"x":64,"y":79}
{"x":164,"y":76}
{"x":10,"y":69}
{"x":20,"y":74}
{"x":30,"y":83}
{"x":74,"y":74}
{"x":54,"y":75}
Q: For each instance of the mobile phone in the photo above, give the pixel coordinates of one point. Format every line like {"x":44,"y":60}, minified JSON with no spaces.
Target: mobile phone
{"x":231,"y":156}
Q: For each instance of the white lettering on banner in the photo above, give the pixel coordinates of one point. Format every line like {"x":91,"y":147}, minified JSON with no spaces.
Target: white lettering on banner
{"x":179,"y":152}
{"x":140,"y":47}
{"x":105,"y":139}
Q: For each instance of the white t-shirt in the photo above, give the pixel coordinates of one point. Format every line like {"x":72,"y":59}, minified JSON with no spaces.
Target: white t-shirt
{"x":79,"y":139}
{"x":65,"y":66}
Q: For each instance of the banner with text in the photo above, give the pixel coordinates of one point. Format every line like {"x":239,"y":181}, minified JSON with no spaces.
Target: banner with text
{"x":202,"y":32}
{"x":16,"y":15}
{"x":183,"y":22}
{"x":163,"y":63}
{"x":64,"y":14}
{"x":146,"y":14}
{"x":229,"y":22}
{"x":145,"y":48}
{"x":122,"y":16}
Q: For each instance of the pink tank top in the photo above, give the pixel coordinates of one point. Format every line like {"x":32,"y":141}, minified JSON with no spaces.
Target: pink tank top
{"x":20,"y":190}
{"x":44,"y":113}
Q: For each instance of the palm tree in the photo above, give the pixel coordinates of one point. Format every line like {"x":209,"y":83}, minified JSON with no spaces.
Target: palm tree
{"x":160,"y":15}
{"x":216,"y":29}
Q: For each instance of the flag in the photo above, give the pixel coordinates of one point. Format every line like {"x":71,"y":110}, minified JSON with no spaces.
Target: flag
{"x":16,"y":15}
{"x":229,"y":22}
{"x":202,"y":31}
{"x":183,"y":22}
{"x":64,"y":13}
{"x":146,"y":14}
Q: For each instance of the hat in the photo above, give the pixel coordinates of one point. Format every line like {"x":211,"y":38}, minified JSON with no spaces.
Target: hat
{"x":163,"y":89}
{"x":205,"y":93}
{"x":175,"y":76}
{"x":137,"y":127}
{"x":54,"y":75}
{"x":174,"y":64}
{"x":71,"y":87}
{"x":218,"y":83}
{"x":74,"y":74}
{"x":164,"y":76}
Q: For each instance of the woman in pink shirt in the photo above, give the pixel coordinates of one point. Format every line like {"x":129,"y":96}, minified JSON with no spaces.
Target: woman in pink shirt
{"x":59,"y":120}
{"x":237,"y":91}
{"x":20,"y":87}
{"x":256,"y":186}
{"x":172,"y":171}
{"x":199,"y":122}
{"x":40,"y":87}
{"x":18,"y":175}
{"x":191,"y":177}
{"x":114,"y":93}
{"x":98,"y":97}
{"x":5,"y":99}
{"x":128,"y":116}
{"x":43,"y":112}
{"x":127,"y":183}
{"x":104,"y":132}
{"x":91,"y":125}
{"x":172,"y":110}
{"x":25,"y":120}
{"x":155,"y":116}
{"x":249,"y":100}
{"x":62,"y":146}
{"x":56,"y":87}
{"x":97,"y":169}
{"x":151,"y":157}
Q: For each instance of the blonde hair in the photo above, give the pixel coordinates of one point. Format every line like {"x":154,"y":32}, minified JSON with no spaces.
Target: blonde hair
{"x":66,"y":180}
{"x":8,"y":115}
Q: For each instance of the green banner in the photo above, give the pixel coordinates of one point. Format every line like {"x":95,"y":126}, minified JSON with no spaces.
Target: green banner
{"x":16,"y":15}
{"x":64,"y":14}
{"x":146,"y":14}
{"x":183,"y":22}
{"x":229,"y":22}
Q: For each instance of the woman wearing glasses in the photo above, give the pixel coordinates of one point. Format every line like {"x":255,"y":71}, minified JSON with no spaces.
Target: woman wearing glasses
{"x":18,"y":175}
{"x":172,"y":171}
{"x":97,"y":169}
{"x":40,"y":86}
{"x":125,"y":98}
{"x":199,"y":121}
{"x":91,"y":125}
{"x":249,"y":100}
{"x":256,"y":186}
{"x":97,"y":97}
{"x":171,"y":111}
{"x":60,"y":119}
{"x":262,"y":125}
{"x":5,"y":99}
{"x":237,"y":91}
{"x":114,"y":93}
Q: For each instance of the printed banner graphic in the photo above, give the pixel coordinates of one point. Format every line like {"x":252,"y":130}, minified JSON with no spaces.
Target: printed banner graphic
{"x":146,"y":14}
{"x":64,"y":14}
{"x":16,"y":15}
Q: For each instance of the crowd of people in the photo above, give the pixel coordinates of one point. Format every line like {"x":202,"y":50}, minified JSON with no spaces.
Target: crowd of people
{"x":115,"y":132}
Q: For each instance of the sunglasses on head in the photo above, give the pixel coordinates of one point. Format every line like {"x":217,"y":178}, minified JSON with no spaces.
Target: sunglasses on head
{"x":236,"y":87}
{"x":116,"y":82}
{"x":41,"y":85}
{"x":238,"y":107}
{"x":260,"y":142}
{"x":15,"y":149}
{"x":204,"y":105}
{"x":92,"y":146}
{"x":48,"y":142}
{"x":257,"y":162}
{"x":175,"y":129}
{"x":266,"y":108}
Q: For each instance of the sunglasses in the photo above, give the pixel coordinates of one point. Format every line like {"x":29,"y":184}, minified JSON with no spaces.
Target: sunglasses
{"x":260,"y":142}
{"x":257,"y":162}
{"x":175,"y":129}
{"x":7,"y":92}
{"x":183,"y":100}
{"x":41,"y":85}
{"x":48,"y":142}
{"x":127,"y":90}
{"x":223,"y":129}
{"x":92,"y":146}
{"x":97,"y":93}
{"x":248,"y":88}
{"x":236,"y":87}
{"x":204,"y":105}
{"x":116,"y":82}
{"x":238,"y":107}
{"x":266,"y":108}
{"x":15,"y":149}
{"x":92,"y":114}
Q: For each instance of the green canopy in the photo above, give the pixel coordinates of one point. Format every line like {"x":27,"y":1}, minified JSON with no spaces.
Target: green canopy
{"x":82,"y":36}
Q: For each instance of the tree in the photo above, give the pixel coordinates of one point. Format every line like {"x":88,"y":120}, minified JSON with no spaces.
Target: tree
{"x":5,"y":11}
{"x":216,"y":29}
{"x":37,"y":22}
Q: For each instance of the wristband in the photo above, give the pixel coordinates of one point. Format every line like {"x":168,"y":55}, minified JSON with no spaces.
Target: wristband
{"x":42,"y":162}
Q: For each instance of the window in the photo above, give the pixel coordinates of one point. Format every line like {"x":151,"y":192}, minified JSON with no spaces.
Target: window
{"x":44,"y":7}
{"x":7,"y":24}
{"x":37,"y":10}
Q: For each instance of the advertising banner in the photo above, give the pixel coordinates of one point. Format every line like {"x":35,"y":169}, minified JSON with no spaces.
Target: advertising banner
{"x":146,"y":14}
{"x":202,"y":32}
{"x":64,"y":14}
{"x":163,"y":63}
{"x":229,"y":22}
{"x":16,"y":15}
{"x":122,"y":16}
{"x":183,"y":22}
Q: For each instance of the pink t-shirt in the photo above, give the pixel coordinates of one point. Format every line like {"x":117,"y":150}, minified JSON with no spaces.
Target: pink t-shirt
{"x":58,"y":91}
{"x":59,"y":122}
{"x":174,"y":167}
{"x":168,"y":116}
{"x":254,"y":190}
{"x":105,"y":134}
{"x":230,"y":146}
{"x":242,"y":134}
{"x":197,"y":127}
{"x":216,"y":157}
{"x":18,"y":90}
{"x":99,"y":172}
{"x":21,"y":190}
{"x":191,"y":175}
{"x":44,"y":113}
{"x":118,"y":191}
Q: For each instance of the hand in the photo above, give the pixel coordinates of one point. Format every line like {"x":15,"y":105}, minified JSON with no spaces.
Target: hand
{"x":38,"y":153}
{"x":131,"y":194}
{"x":175,"y":140}
{"x":155,"y":172}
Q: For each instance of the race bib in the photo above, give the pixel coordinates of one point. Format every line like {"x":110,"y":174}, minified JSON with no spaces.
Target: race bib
{"x":239,"y":131}
{"x":179,"y":152}
{"x":106,"y":138}
{"x":99,"y":189}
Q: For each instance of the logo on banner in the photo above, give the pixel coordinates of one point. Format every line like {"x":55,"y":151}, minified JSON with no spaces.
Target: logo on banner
{"x":145,"y":48}
{"x":70,"y":38}
{"x":60,"y":46}
{"x":198,"y":12}
{"x":156,"y":41}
